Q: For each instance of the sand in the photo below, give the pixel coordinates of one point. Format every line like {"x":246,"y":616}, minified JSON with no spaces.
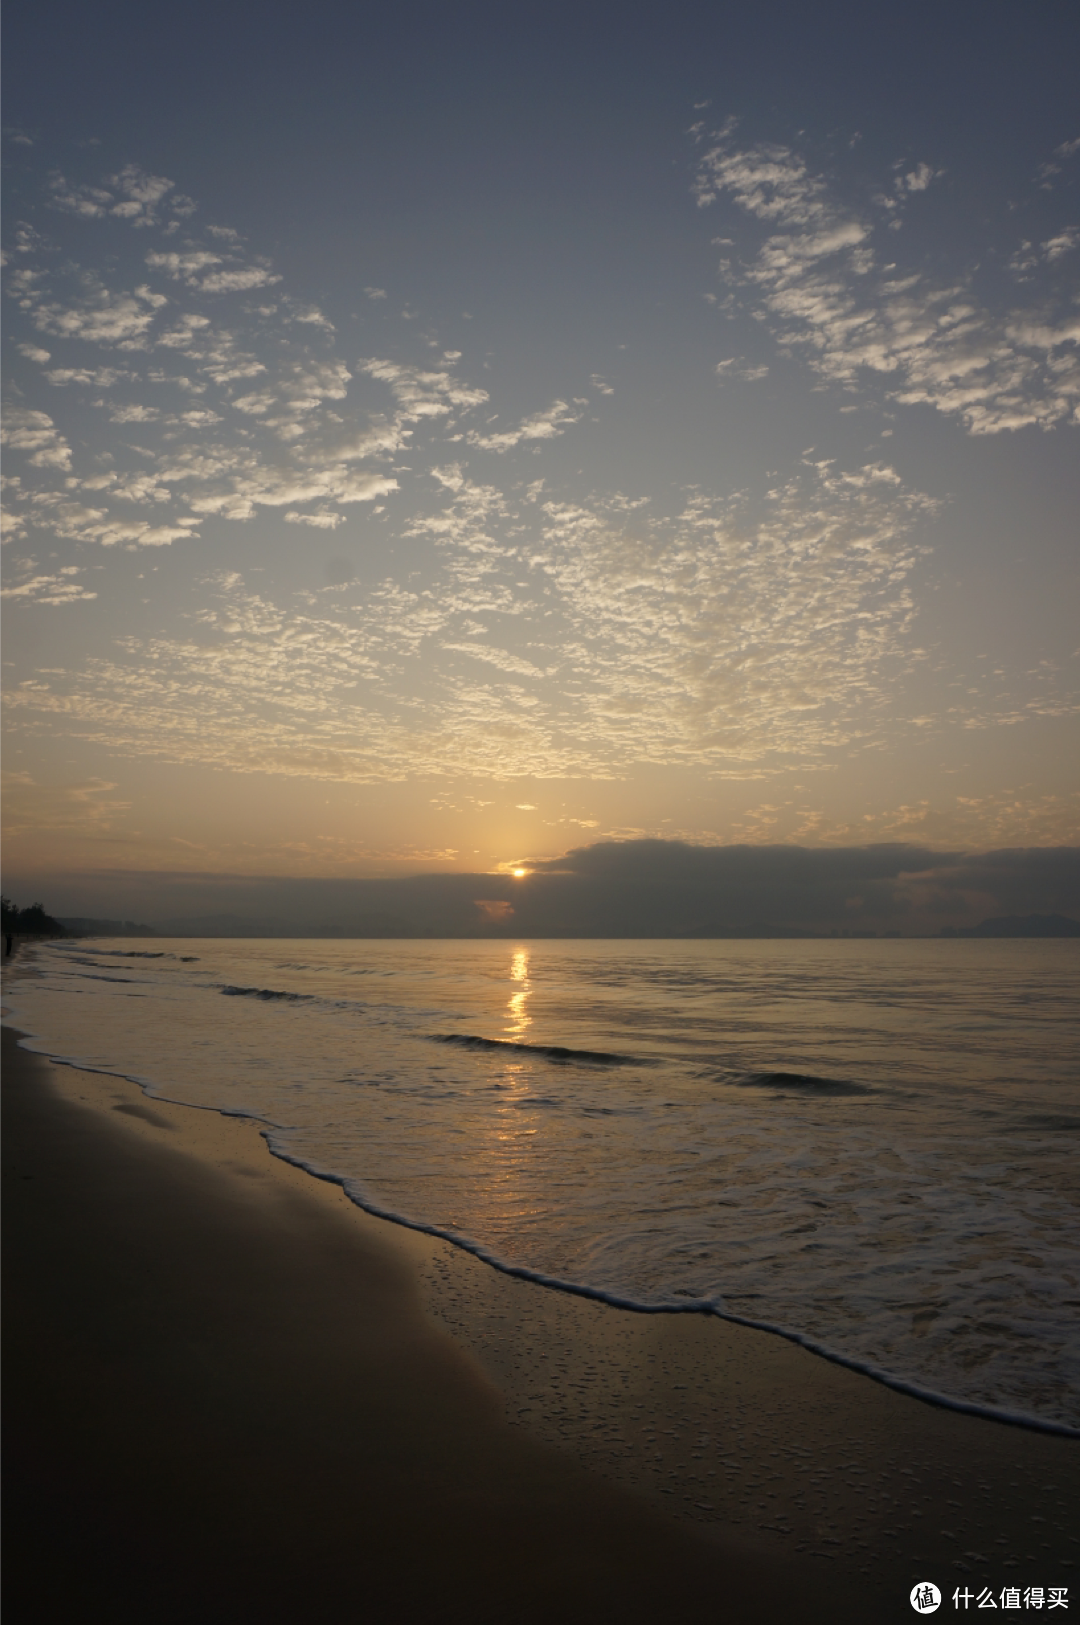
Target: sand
{"x":233,"y":1395}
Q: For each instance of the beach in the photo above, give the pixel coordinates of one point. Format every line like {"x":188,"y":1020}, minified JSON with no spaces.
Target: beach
{"x":234,"y":1394}
{"x":541,"y":832}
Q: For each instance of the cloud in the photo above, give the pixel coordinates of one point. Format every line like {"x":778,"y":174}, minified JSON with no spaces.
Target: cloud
{"x":423,"y":394}
{"x":12,"y":524}
{"x":69,"y":519}
{"x":89,"y":201}
{"x":184,"y":267}
{"x":98,"y":377}
{"x":258,"y":690}
{"x":134,"y":414}
{"x":770,"y":182}
{"x":634,"y":888}
{"x":194,"y":269}
{"x":746,"y":371}
{"x":652,"y":887}
{"x":283,"y":423}
{"x":301,"y":386}
{"x":57,"y":589}
{"x":494,"y":910}
{"x":813,"y":281}
{"x":543,"y":426}
{"x":550,"y":639}
{"x":36,"y":434}
{"x":729,"y":633}
{"x":273,"y":369}
{"x":918,"y":179}
{"x":1063,"y":243}
{"x":86,"y":807}
{"x":235,"y":484}
{"x":100,"y":317}
{"x":131,"y":195}
{"x":322,"y":519}
{"x":1017,"y":813}
{"x":1067,"y":150}
{"x":502,"y":658}
{"x":141,"y":193}
{"x":312,"y":317}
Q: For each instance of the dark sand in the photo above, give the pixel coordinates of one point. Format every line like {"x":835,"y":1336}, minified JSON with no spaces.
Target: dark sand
{"x":232,"y":1396}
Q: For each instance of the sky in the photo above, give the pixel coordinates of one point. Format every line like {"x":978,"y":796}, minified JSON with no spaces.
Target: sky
{"x":441,"y":439}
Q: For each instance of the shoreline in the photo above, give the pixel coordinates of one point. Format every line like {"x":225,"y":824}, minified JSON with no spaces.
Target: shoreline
{"x":227,"y":1402}
{"x":1065,"y":1425}
{"x":1026,"y":1421}
{"x":780,"y":1467}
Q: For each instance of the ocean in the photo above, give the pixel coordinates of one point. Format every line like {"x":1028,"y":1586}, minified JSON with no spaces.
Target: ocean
{"x":866,"y":1145}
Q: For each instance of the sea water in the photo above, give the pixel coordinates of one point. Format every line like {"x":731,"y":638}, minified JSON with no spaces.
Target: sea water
{"x":867,"y":1145}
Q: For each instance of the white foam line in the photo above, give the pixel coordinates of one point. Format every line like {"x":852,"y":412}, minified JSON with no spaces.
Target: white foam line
{"x":707,"y":1306}
{"x":521,"y":1272}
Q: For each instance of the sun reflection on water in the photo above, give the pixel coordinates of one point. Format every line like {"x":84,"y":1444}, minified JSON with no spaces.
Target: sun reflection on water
{"x":518,"y":1004}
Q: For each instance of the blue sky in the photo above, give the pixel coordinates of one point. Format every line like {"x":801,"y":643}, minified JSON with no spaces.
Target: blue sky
{"x":438,"y":440}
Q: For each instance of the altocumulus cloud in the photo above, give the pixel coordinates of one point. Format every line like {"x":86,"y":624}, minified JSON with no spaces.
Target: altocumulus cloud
{"x":825,"y":277}
{"x":234,"y":400}
{"x":544,"y":635}
{"x":551,"y":639}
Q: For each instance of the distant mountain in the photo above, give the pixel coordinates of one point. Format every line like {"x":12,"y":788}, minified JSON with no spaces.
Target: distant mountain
{"x":79,"y":926}
{"x":1020,"y":925}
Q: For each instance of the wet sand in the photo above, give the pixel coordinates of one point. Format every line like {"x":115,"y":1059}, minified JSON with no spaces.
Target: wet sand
{"x":234,"y":1396}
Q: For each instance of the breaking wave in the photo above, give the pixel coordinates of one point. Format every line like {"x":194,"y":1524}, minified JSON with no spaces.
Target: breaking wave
{"x":267,"y":993}
{"x":550,"y":1052}
{"x":805,"y":1081}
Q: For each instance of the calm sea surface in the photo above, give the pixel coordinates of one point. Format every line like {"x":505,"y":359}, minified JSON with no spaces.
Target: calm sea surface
{"x":870,"y":1144}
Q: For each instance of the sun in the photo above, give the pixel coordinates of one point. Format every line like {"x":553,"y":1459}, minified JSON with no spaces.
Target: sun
{"x":519,"y":874}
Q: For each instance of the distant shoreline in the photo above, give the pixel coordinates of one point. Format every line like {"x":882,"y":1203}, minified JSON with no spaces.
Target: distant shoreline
{"x":1068,"y":930}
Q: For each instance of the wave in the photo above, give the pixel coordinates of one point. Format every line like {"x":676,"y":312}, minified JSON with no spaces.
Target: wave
{"x":774,"y":1088}
{"x":1055,"y":1122}
{"x":550,"y":1052}
{"x":268,"y":993}
{"x":127,"y":953}
{"x":272,"y":1134}
{"x":99,"y":976}
{"x":801,"y":1080}
{"x":672,"y":1306}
